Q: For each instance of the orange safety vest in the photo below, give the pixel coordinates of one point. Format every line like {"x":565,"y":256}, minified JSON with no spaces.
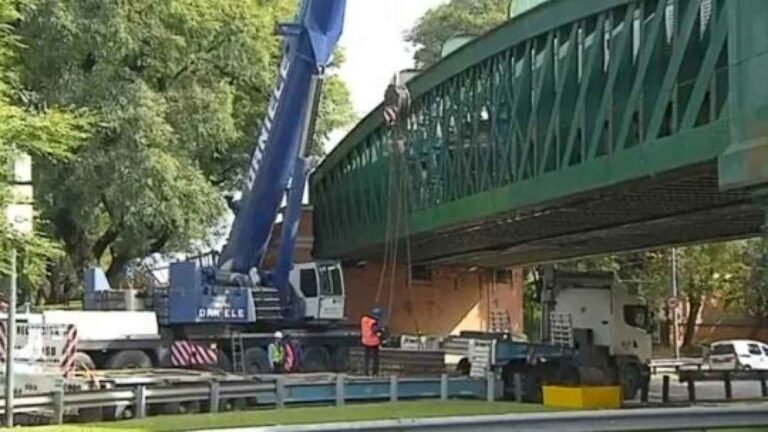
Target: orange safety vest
{"x":289,"y":360}
{"x":368,"y":335}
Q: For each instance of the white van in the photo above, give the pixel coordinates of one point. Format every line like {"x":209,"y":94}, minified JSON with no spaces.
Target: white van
{"x":738,"y":355}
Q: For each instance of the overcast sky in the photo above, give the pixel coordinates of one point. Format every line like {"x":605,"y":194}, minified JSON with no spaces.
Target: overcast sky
{"x":375,"y":49}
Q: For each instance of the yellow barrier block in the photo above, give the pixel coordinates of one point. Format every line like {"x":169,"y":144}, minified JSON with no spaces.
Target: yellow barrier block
{"x":582,"y":396}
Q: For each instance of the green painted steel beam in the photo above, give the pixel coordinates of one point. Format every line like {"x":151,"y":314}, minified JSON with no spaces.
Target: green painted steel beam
{"x":678,"y":151}
{"x":745,"y":163}
{"x":568,"y":98}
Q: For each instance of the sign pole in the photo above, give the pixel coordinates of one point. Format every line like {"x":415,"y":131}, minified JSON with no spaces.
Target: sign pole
{"x":10,"y":342}
{"x":675,"y":324}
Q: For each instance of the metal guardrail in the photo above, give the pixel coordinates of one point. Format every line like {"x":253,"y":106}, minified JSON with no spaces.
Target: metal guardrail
{"x":278,"y":392}
{"x":677,"y":364}
{"x":638,"y":420}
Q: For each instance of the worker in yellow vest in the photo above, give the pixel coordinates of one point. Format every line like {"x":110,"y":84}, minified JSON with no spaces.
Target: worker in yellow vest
{"x":370,"y":337}
{"x":276,"y":353}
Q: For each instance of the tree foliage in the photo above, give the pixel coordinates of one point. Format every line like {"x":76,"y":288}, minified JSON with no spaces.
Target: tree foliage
{"x":457,"y":17}
{"x":47,"y":132}
{"x":179,"y":88}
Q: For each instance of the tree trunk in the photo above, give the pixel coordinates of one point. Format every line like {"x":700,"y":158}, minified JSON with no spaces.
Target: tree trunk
{"x":115,"y":273}
{"x":694,"y":306}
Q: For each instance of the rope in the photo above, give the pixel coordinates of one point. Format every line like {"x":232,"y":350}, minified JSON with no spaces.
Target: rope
{"x":387,"y":232}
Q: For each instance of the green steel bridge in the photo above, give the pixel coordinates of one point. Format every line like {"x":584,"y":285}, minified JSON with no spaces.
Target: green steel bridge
{"x":578,"y":127}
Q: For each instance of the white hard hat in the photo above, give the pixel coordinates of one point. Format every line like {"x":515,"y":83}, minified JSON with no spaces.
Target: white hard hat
{"x":278,"y":335}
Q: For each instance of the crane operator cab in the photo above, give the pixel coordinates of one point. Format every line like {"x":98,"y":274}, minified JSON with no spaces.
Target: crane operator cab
{"x":320,"y":285}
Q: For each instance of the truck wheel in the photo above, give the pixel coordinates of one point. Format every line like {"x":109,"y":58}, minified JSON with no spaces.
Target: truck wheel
{"x":464,"y":367}
{"x":83,"y":362}
{"x":315,"y":359}
{"x":341,"y":361}
{"x":256,"y":360}
{"x":129,"y":359}
{"x":531,"y":383}
{"x":630,"y":382}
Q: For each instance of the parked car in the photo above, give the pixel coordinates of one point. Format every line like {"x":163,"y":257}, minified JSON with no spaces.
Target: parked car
{"x":738,"y":355}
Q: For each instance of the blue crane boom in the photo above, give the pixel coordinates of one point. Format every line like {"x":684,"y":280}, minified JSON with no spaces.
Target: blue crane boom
{"x":307,"y":50}
{"x":238,"y":289}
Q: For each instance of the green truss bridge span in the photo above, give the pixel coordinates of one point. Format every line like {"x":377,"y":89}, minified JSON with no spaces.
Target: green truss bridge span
{"x":576,"y":128}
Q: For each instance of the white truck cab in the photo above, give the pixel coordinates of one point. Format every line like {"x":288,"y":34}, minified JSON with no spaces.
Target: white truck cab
{"x":321,"y":285}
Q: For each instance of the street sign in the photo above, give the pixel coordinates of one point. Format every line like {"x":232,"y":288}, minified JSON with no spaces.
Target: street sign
{"x":673,"y":302}
{"x":40,"y":347}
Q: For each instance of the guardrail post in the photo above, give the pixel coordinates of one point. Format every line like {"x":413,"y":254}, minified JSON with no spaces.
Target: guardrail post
{"x":517,"y":381}
{"x":444,"y":387}
{"x":490,"y":387}
{"x":140,"y":401}
{"x":214,"y":399}
{"x":58,"y":406}
{"x":691,"y":390}
{"x":340,"y":394}
{"x":644,"y":388}
{"x":665,"y":389}
{"x":727,"y":384}
{"x":280,"y":392}
{"x":393,"y":388}
{"x":763,"y":386}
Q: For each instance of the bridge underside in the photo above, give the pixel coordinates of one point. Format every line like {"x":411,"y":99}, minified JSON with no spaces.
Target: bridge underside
{"x":683,"y":206}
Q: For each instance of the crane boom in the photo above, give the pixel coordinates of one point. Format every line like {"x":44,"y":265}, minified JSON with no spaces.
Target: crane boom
{"x":308,"y":48}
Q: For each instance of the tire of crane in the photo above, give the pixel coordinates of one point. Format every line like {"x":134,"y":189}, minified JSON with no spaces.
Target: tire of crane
{"x":234,"y":404}
{"x":464,"y":366}
{"x":191,"y":407}
{"x":315,"y":359}
{"x":83,"y":362}
{"x":340,"y":359}
{"x":90,"y":415}
{"x":129,"y":359}
{"x":166,"y":408}
{"x":256,"y":360}
{"x":223,"y":363}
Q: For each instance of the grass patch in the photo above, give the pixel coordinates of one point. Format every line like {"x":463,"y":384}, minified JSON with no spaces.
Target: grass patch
{"x":302,"y":415}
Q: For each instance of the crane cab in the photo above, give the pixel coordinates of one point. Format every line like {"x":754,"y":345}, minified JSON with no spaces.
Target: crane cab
{"x":320,"y":285}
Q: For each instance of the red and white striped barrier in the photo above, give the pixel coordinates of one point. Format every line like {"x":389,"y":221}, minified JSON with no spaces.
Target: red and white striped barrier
{"x":67,"y":363}
{"x":186,"y":353}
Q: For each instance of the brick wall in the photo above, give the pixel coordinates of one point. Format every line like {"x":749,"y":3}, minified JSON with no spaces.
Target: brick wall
{"x":452,"y":300}
{"x":455,"y":298}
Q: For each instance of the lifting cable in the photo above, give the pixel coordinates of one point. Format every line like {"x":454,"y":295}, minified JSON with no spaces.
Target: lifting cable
{"x":396,"y":108}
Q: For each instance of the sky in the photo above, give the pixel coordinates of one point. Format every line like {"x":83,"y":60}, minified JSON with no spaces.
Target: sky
{"x":375,"y":50}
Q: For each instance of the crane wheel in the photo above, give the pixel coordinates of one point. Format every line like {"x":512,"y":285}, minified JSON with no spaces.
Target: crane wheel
{"x":83,"y":362}
{"x":256,"y":360}
{"x":129,"y":359}
{"x":315,"y":359}
{"x":341,"y":361}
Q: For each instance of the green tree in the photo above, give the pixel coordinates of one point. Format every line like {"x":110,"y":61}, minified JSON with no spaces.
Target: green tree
{"x":45,"y":132}
{"x":180,"y":88}
{"x":755,"y":298}
{"x":714,"y":270}
{"x":457,"y":17}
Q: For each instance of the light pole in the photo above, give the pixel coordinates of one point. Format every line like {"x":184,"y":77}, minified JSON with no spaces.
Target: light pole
{"x":19,"y":215}
{"x":10,"y":341}
{"x":675,"y":324}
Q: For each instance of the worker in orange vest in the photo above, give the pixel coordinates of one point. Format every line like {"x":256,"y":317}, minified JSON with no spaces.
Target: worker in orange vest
{"x":370,"y":336}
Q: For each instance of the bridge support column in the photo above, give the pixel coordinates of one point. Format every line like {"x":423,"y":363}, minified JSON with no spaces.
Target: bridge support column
{"x":745,"y":163}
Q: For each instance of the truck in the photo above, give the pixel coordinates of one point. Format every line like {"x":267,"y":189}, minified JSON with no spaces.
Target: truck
{"x":221,"y":310}
{"x":594,"y":331}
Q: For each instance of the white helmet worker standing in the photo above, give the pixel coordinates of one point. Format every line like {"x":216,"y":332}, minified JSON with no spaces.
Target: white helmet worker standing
{"x":276,"y":353}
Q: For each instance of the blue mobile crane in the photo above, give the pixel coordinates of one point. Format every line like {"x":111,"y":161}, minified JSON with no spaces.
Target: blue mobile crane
{"x":225,"y":308}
